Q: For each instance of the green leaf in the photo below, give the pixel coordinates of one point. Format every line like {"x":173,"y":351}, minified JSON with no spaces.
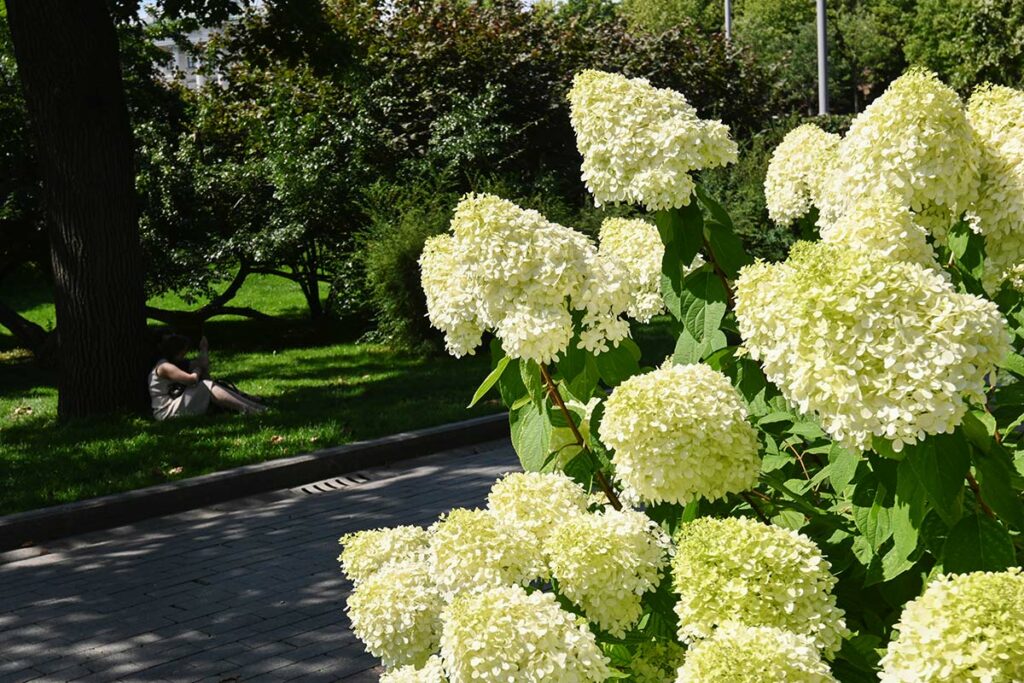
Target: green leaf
{"x":529,"y":371}
{"x":980,"y":428}
{"x":578,"y":370}
{"x":1014,"y":363}
{"x":939,"y":464}
{"x":681,"y":231}
{"x":490,"y":380}
{"x":842,"y":467}
{"x":689,"y":350}
{"x":871,"y":513}
{"x":702,"y":304}
{"x":977,"y":543}
{"x":510,"y":384}
{"x":617,"y":364}
{"x":996,"y":474}
{"x":531,"y":436}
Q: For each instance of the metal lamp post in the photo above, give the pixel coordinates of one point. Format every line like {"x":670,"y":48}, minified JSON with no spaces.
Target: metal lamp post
{"x":728,"y":20}
{"x":822,"y":61}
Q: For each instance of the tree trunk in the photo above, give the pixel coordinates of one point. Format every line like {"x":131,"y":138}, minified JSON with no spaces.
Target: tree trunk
{"x":69,"y":64}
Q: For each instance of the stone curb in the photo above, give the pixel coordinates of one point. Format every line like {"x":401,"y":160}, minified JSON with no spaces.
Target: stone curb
{"x":25,"y":529}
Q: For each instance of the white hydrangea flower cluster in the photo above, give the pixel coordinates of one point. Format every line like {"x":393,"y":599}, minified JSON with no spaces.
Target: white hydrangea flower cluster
{"x":872,"y":347}
{"x":997,"y":115}
{"x":880,"y":226}
{"x":680,"y":433}
{"x":606,"y":562}
{"x":506,"y":634}
{"x":963,"y":628}
{"x":396,"y":612}
{"x":797,"y":172}
{"x":536,"y":503}
{"x":739,"y":653}
{"x":510,"y":270}
{"x":913,"y":141}
{"x":431,"y":672}
{"x":656,"y":661}
{"x":365,"y":552}
{"x":471,"y":550}
{"x":741,"y":570}
{"x":640,"y":143}
{"x":636,"y":245}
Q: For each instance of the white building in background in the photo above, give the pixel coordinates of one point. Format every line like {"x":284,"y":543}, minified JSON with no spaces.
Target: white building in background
{"x":183,"y":63}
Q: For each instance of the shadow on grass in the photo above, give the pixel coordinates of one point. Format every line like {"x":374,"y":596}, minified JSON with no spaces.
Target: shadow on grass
{"x":321,"y":396}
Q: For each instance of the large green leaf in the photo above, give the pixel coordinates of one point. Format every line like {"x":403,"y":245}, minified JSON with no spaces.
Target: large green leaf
{"x":618,"y":363}
{"x":578,"y":370}
{"x":977,"y":543}
{"x":681,"y":231}
{"x":489,"y":381}
{"x":939,"y":464}
{"x":996,"y":478}
{"x":529,"y":371}
{"x":531,"y":435}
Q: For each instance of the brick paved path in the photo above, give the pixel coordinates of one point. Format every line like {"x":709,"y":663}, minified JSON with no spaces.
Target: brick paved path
{"x":244,"y":591}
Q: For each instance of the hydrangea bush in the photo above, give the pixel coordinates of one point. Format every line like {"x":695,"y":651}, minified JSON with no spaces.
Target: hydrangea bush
{"x":822,"y":483}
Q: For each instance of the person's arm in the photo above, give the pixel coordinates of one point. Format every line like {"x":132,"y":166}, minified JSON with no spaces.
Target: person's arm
{"x":175,"y":374}
{"x":202,"y":364}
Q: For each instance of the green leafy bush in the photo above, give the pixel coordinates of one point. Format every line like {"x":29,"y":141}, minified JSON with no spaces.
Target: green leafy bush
{"x":825,"y":480}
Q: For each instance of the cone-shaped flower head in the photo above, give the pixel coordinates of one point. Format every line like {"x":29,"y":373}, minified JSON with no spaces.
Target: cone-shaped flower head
{"x":504,"y":634}
{"x":738,"y":653}
{"x":742,"y":570}
{"x":797,"y":172}
{"x":963,"y":628}
{"x":431,"y":672}
{"x":472,"y":549}
{"x":913,"y":141}
{"x":606,"y":562}
{"x":997,"y":115}
{"x":680,"y":433}
{"x":640,"y":143}
{"x":880,"y":226}
{"x":872,"y":347}
{"x":364,"y":552}
{"x":636,"y":245}
{"x":512,"y":271}
{"x":537,"y":503}
{"x":396,"y":612}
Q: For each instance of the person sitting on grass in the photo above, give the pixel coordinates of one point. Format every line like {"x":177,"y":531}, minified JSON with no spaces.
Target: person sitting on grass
{"x":178,"y":386}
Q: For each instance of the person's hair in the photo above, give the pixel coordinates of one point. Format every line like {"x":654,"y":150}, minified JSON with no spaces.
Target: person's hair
{"x":173,"y":345}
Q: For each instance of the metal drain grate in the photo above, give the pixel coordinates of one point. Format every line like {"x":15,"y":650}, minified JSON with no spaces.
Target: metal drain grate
{"x":335,"y":484}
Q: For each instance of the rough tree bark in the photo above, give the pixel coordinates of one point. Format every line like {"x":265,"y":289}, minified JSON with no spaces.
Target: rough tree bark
{"x":69,"y":64}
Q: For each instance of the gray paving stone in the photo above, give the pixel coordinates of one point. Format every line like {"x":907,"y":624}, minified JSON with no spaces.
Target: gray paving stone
{"x":243,"y":591}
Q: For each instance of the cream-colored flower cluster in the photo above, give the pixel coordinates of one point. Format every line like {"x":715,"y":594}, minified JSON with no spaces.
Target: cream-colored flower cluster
{"x":739,"y":653}
{"x":473,"y":549}
{"x":364,"y":552}
{"x":640,"y":143}
{"x":680,"y":433}
{"x":737,"y":569}
{"x":510,"y":270}
{"x":913,"y":141}
{"x":606,"y":562}
{"x":873,"y":347}
{"x":506,"y":634}
{"x":797,"y":172}
{"x":536,"y":504}
{"x":459,"y":585}
{"x":636,"y":245}
{"x":396,"y":612}
{"x":997,"y":115}
{"x":962,"y":629}
{"x":431,"y":672}
{"x":881,"y":227}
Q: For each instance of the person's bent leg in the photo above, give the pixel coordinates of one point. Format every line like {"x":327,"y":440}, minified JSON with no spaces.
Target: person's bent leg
{"x":226,"y":398}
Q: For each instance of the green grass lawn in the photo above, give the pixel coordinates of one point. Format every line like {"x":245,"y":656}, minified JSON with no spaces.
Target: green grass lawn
{"x":325,"y":391}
